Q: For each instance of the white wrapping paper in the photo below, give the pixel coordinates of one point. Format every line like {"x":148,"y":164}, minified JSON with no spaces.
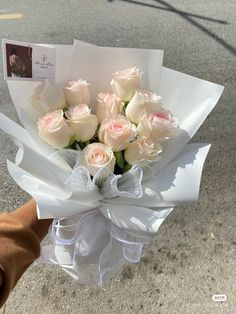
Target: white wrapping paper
{"x":95,"y":229}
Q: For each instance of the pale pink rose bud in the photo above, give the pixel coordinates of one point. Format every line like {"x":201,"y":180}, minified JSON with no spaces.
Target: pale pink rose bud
{"x":47,"y":97}
{"x":126,"y":82}
{"x":143,"y":102}
{"x":83,"y":123}
{"x":108,"y":105}
{"x":160,"y":125}
{"x":117,"y":132}
{"x":77,"y":92}
{"x":54,"y":130}
{"x":97,"y":155}
{"x":142,"y":149}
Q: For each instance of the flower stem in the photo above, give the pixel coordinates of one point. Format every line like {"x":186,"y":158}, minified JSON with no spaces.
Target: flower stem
{"x":120,"y":159}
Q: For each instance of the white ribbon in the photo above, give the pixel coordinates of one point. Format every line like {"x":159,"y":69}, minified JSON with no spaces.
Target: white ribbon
{"x":90,"y":247}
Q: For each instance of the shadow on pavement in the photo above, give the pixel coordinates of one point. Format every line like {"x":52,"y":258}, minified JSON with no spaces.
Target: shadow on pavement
{"x":188,"y":17}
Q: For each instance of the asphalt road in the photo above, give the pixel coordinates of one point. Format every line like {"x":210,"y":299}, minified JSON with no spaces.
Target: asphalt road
{"x":194,"y":253}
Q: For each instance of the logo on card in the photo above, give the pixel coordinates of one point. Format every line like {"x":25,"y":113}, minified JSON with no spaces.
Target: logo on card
{"x":28,"y":61}
{"x":44,"y":58}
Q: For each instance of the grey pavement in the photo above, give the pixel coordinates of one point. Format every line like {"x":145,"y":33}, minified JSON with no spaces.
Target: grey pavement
{"x":193,"y":255}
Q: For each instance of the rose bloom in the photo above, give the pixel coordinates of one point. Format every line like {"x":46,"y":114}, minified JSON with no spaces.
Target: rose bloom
{"x":126,"y":82}
{"x":108,"y":105}
{"x":117,"y":132}
{"x":142,"y":102}
{"x":142,"y":149}
{"x":47,"y":97}
{"x":82,"y":122}
{"x":160,"y":125}
{"x":54,"y":130}
{"x":97,"y":155}
{"x":77,"y":92}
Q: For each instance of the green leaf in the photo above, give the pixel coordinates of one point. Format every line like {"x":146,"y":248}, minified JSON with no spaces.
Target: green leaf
{"x":126,"y":104}
{"x":72,"y":144}
{"x":81,"y":145}
{"x":87,"y":143}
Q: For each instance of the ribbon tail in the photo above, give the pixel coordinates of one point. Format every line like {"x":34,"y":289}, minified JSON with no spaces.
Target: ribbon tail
{"x":90,"y":247}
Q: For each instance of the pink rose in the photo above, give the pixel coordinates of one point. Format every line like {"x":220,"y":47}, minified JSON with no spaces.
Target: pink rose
{"x":54,"y":130}
{"x":97,"y":155}
{"x":142,"y":149}
{"x":160,"y":125}
{"x":143,"y":102}
{"x":126,"y":82}
{"x":83,"y":123}
{"x":77,"y":92}
{"x":108,"y":105}
{"x":117,"y":132}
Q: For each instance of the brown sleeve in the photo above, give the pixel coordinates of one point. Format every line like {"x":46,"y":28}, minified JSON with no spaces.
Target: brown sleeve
{"x":20,"y":236}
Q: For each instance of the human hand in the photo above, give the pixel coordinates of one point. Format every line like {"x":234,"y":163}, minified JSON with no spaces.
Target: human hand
{"x":1,"y":278}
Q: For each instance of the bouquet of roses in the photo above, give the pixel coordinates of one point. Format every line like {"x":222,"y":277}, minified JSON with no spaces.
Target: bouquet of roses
{"x":127,"y":129}
{"x":106,"y":159}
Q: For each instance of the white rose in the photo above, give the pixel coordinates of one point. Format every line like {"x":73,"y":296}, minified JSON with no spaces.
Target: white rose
{"x":47,"y":97}
{"x":108,"y":105}
{"x":142,"y":103}
{"x":54,"y":130}
{"x":97,"y":155}
{"x":77,"y":92}
{"x":160,"y":125}
{"x":83,"y":123}
{"x":117,"y":132}
{"x":126,"y":82}
{"x":142,"y":149}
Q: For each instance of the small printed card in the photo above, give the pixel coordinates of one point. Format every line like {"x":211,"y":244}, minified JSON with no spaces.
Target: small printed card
{"x":25,"y":61}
